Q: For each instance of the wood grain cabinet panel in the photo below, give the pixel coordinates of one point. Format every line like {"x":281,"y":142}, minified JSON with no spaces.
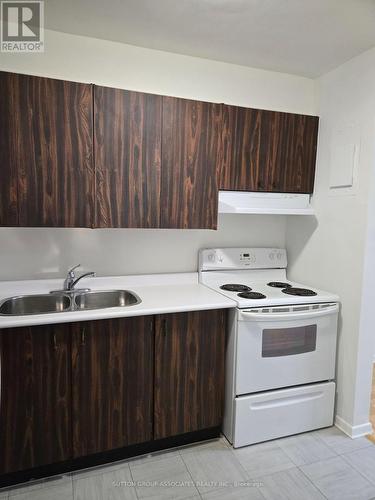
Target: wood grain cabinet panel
{"x":191,"y":153}
{"x":35,"y":423}
{"x":127,"y":158}
{"x":189,"y":372}
{"x":112,"y":366}
{"x":267,"y":151}
{"x":8,"y":145}
{"x":49,"y":145}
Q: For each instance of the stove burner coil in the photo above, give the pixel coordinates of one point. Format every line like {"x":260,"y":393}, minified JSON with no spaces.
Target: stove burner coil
{"x":301,"y":292}
{"x":235,"y":287}
{"x":279,"y":284}
{"x":251,"y":295}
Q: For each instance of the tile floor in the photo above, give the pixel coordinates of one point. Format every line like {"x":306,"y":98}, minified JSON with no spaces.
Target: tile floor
{"x":312,"y":466}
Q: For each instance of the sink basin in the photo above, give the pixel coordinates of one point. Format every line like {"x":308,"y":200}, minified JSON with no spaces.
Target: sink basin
{"x":35,"y":304}
{"x":60,"y":302}
{"x":104,"y":299}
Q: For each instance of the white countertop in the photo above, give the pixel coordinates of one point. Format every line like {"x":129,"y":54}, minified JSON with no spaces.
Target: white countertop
{"x":160,"y":293}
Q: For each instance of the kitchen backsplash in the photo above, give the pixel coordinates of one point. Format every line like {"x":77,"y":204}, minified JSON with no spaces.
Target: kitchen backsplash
{"x":36,"y":253}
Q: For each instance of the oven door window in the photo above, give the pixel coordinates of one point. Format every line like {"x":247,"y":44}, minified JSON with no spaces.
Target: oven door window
{"x":278,"y":342}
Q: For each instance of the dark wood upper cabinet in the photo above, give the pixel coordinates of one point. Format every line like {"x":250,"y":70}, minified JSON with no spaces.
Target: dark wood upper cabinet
{"x":189,"y":372}
{"x":80,"y":155}
{"x":35,"y":417}
{"x":191,"y":153}
{"x":127,"y":158}
{"x":48,"y":143}
{"x":112,"y":383}
{"x":267,"y":151}
{"x":8,"y":145}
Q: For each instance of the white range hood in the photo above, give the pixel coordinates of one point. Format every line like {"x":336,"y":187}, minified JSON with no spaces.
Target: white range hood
{"x":241,"y":202}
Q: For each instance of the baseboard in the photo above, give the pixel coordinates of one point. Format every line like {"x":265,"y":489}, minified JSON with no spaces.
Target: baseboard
{"x":353,"y":431}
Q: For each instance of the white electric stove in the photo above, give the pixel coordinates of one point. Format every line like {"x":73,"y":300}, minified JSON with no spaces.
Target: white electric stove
{"x":281,"y":350}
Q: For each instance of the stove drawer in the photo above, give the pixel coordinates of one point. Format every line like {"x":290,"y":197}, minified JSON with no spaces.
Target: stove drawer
{"x":275,"y":414}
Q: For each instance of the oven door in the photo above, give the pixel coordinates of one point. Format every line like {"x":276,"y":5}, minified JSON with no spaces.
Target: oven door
{"x":285,"y":346}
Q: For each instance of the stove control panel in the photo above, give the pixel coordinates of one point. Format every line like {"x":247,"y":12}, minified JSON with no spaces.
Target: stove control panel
{"x":242,"y":258}
{"x":247,"y":257}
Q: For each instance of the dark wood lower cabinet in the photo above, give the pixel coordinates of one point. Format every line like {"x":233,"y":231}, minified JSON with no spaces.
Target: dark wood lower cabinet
{"x":81,"y":394}
{"x":112,"y":383}
{"x":189,"y":372}
{"x":35,"y":404}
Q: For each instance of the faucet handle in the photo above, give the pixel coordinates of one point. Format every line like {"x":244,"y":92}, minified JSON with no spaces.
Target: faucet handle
{"x":71,"y":271}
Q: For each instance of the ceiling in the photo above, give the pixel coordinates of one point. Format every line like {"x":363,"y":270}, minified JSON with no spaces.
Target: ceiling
{"x":303,"y":37}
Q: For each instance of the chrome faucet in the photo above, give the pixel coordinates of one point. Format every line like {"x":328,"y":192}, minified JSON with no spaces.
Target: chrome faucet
{"x":71,"y":280}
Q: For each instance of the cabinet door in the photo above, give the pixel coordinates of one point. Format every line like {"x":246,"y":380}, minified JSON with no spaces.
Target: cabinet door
{"x":191,"y":153}
{"x":189,"y":372}
{"x":267,"y":151}
{"x":48,"y":143}
{"x":8,"y":147}
{"x":35,"y":417}
{"x":112,"y":384}
{"x":127,"y":158}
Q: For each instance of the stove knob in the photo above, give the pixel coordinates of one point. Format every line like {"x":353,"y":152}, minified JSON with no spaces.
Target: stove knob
{"x":279,"y":255}
{"x":271,"y":256}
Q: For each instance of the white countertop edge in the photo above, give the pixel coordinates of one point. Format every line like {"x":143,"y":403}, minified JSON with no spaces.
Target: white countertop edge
{"x":97,"y":314}
{"x":160,"y":294}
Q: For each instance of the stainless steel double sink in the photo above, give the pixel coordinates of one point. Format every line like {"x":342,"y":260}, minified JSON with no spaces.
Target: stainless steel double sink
{"x":64,"y":302}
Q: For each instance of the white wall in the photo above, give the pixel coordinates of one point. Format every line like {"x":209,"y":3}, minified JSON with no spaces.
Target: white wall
{"x":31,"y":253}
{"x":114,"y":64}
{"x":333,"y":251}
{"x":43,"y":253}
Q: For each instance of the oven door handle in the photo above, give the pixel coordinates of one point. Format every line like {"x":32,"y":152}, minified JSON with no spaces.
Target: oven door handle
{"x":290,"y":315}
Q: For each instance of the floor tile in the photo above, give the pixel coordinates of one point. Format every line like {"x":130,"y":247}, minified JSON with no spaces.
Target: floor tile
{"x":25,"y":487}
{"x":225,"y":441}
{"x":152,"y":457}
{"x":261,"y":459}
{"x":337,"y":480}
{"x":100,"y":469}
{"x":111,"y":485}
{"x":63,"y":491}
{"x":54,"y":481}
{"x":305,"y":449}
{"x":235,"y":493}
{"x":213,"y":444}
{"x":364,"y":461}
{"x":213,"y":467}
{"x":340,"y":442}
{"x":167,"y":478}
{"x":291,"y":484}
{"x":113,"y":466}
